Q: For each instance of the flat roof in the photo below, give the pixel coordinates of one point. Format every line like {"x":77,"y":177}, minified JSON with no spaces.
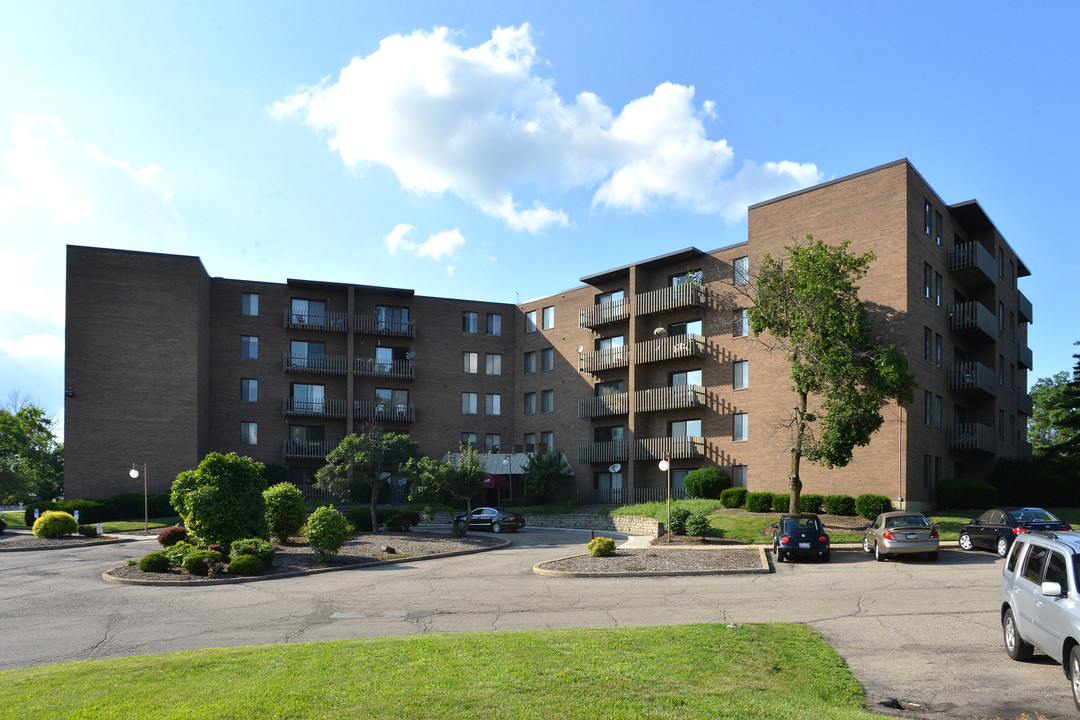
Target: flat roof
{"x":293,"y":282}
{"x":689,"y":253}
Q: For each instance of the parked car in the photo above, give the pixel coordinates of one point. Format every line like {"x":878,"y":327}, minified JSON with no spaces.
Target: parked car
{"x":1040,"y":604}
{"x":997,"y":528}
{"x":901,"y":533}
{"x":800,"y":536}
{"x":3,"y":524}
{"x":494,"y":519}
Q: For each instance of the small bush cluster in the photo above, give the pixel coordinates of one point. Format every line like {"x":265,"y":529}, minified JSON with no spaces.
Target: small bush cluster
{"x":124,"y":506}
{"x":285,"y":510}
{"x":810,"y":502}
{"x":759,"y":502}
{"x":870,"y":506}
{"x":458,"y":530}
{"x":54,"y":524}
{"x":258,"y":547}
{"x":601,"y":547}
{"x":178,"y":551}
{"x":200,"y":562}
{"x":172,"y":535}
{"x":327,"y":531}
{"x":698,"y":525}
{"x":763,"y":502}
{"x":88,"y":530}
{"x":838,"y":505}
{"x":155,"y":562}
{"x":781,"y":502}
{"x":679,"y":516}
{"x":246,"y":565}
{"x":733,"y":497}
{"x":707,"y":482}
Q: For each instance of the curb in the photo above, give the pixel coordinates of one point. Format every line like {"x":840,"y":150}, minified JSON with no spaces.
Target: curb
{"x":67,"y":546}
{"x":765,"y":569}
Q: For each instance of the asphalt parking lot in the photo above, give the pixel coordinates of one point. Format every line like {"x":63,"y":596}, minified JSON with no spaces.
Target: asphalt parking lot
{"x":924,"y":633}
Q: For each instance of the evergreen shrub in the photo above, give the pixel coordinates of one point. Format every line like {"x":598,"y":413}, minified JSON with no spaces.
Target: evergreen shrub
{"x":258,"y":547}
{"x":54,"y":524}
{"x":781,"y":502}
{"x":870,"y":506}
{"x":679,"y":517}
{"x":198,"y":562}
{"x":733,"y":497}
{"x":246,"y":565}
{"x":838,"y":505}
{"x":810,"y":502}
{"x":759,"y":502}
{"x":698,"y":525}
{"x":285,"y":510}
{"x":327,"y":531}
{"x":155,"y":562}
{"x":707,"y":482}
{"x":601,"y":547}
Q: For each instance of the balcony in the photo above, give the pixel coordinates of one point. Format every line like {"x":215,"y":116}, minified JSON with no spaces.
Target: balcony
{"x":973,"y":319}
{"x":1023,"y":307}
{"x":604,"y":313}
{"x":973,"y":436}
{"x":670,"y":348}
{"x":671,"y":298}
{"x":672,"y":448}
{"x":670,"y":398}
{"x":603,"y":452}
{"x":384,"y":411}
{"x":1024,"y":404}
{"x":369,"y":367}
{"x":1023,"y":357}
{"x":603,"y":406}
{"x":372,"y":324}
{"x":332,"y":321}
{"x":330,"y":364}
{"x":972,"y":264}
{"x":307,"y":449}
{"x":324,"y":407}
{"x":610,"y":359}
{"x":973,"y":376}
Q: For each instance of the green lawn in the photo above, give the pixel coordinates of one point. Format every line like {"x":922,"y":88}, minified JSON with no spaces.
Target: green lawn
{"x":691,"y":671}
{"x":14,"y":519}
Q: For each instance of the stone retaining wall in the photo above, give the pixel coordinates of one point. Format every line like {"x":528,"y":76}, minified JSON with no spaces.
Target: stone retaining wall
{"x":632,"y":524}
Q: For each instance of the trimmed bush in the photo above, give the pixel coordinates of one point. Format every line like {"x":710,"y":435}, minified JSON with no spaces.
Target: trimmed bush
{"x":707,"y":482}
{"x":870,"y":506}
{"x":679,"y":516}
{"x":402,"y":521}
{"x":129,"y":506}
{"x":219,"y":548}
{"x":810,"y":502}
{"x":90,"y":511}
{"x":246,"y":565}
{"x":838,"y":505}
{"x":28,"y":514}
{"x":759,"y":502}
{"x":327,"y":531}
{"x":698,"y":525}
{"x":967,"y":494}
{"x":733,"y":497}
{"x":285,"y":510}
{"x":457,"y":530}
{"x":222,"y":499}
{"x":601,"y":547}
{"x":781,"y":502}
{"x":88,"y":530}
{"x":258,"y":547}
{"x":172,"y":535}
{"x":54,"y":524}
{"x":198,"y":562}
{"x":155,"y":562}
{"x":178,"y":551}
{"x":360,"y":518}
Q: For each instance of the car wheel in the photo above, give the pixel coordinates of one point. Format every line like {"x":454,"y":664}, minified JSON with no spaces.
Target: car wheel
{"x":781,"y":556}
{"x":1015,"y":645}
{"x":866,"y":545}
{"x":1002,"y":547}
{"x":932,"y":556}
{"x":1074,"y":674}
{"x":825,"y":557}
{"x":878,"y":555}
{"x":965,"y":541}
{"x":496,"y":527}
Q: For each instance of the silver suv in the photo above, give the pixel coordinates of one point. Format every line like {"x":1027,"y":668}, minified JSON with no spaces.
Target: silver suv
{"x":1040,"y":600}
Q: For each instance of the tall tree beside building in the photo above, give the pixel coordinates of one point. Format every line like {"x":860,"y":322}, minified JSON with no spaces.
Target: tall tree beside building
{"x":31,"y":460}
{"x":461,"y":480}
{"x":1054,"y":426}
{"x":807,"y":306}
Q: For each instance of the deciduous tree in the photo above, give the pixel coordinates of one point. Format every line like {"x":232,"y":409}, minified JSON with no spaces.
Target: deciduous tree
{"x":462,"y":480}
{"x":31,"y":460}
{"x":544,"y":473}
{"x":1054,"y":426}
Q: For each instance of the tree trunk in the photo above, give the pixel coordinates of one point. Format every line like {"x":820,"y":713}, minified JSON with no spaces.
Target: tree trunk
{"x":375,"y":503}
{"x":794,"y":482}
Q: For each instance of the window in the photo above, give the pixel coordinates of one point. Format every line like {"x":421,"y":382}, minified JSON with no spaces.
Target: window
{"x":547,"y":317}
{"x":1033,"y":565}
{"x":249,"y":433}
{"x":1012,"y":325}
{"x":689,"y":377}
{"x":608,"y":434}
{"x":308,"y":435}
{"x":685,"y":428}
{"x":738,"y":476}
{"x":1012,"y":425}
{"x":494,"y":364}
{"x":926,"y":215}
{"x":530,"y":403}
{"x":928,"y":408}
{"x":1012,"y":274}
{"x":937,"y":350}
{"x":937,"y":411}
{"x":547,"y":401}
{"x":678,"y":478}
{"x":1001,"y":317}
{"x":547,"y":439}
{"x":494,"y":324}
{"x":927,"y":468}
{"x":742,"y":323}
{"x":308,"y":398}
{"x":468,"y":438}
{"x":928,"y":276}
{"x":470,"y":362}
{"x":249,"y":390}
{"x":308,"y":312}
{"x":529,"y":439}
{"x":469,"y":322}
{"x":937,"y":470}
{"x":547,"y":359}
{"x":492,"y":442}
{"x":1012,"y":377}
{"x":1001,"y":424}
{"x":741,"y":275}
{"x":1001,"y":369}
{"x":937,"y":227}
{"x":741,"y":430}
{"x":303,"y":354}
{"x":493,"y":404}
{"x":390,"y":318}
{"x":928,"y":344}
{"x":249,"y":304}
{"x":742,"y":375}
{"x":530,"y":363}
{"x":937,"y":288}
{"x":249,"y":347}
{"x":530,"y":321}
{"x":612,"y":345}
{"x":691,"y":327}
{"x":690,"y":277}
{"x":391,"y":402}
{"x":1001,"y":262}
{"x":468,"y":403}
{"x":616,"y":296}
{"x":611,"y":387}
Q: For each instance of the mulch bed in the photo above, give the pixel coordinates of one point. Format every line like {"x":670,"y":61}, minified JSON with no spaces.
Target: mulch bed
{"x":659,"y":559}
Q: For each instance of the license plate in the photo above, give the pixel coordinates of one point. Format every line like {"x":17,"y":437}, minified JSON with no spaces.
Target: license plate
{"x":913,"y":536}
{"x":804,"y":546}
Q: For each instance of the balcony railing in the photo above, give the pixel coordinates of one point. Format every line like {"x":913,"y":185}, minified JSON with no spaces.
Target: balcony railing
{"x":376,"y":410}
{"x":658,"y":494}
{"x":672,"y":448}
{"x":325,"y":407}
{"x":612,"y":496}
{"x":334,"y":321}
{"x":296,"y":362}
{"x":603,"y":313}
{"x":1023,"y":307}
{"x":307,"y":449}
{"x":973,"y":319}
{"x":603,"y":452}
{"x":616,"y":357}
{"x":1024,"y":404}
{"x":670,"y":348}
{"x":671,"y":298}
{"x":369,"y":367}
{"x":972,"y":264}
{"x":603,"y":406}
{"x":973,"y":376}
{"x":372,"y":324}
{"x":972,"y":436}
{"x":1023,"y":357}
{"x":670,"y":398}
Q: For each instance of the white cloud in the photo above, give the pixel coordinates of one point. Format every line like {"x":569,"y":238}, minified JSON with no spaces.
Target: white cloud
{"x":479,"y":123}
{"x":34,"y":347}
{"x":437,"y":247}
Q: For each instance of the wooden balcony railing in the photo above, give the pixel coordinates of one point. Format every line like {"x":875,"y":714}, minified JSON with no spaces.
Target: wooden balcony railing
{"x":672,"y":448}
{"x":603,"y":313}
{"x":669,"y":348}
{"x":617,"y":357}
{"x":371,"y":324}
{"x":326,"y":407}
{"x":377,"y":410}
{"x":368,"y":367}
{"x":973,"y":319}
{"x":670,"y":298}
{"x":307,"y":450}
{"x":973,"y":376}
{"x":333,"y":321}
{"x":603,"y":406}
{"x":972,"y":436}
{"x":972,"y":264}
{"x":603,"y":452}
{"x":669,"y":398}
{"x":296,"y":362}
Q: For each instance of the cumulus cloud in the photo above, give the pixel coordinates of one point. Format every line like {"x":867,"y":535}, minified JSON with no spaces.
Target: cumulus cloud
{"x":479,"y":123}
{"x":34,"y":347}
{"x":437,"y":247}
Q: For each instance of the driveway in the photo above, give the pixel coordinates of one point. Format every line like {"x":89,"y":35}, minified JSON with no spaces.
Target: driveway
{"x":912,"y":630}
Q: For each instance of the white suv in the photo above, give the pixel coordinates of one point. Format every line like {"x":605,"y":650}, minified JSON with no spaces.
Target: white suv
{"x":1040,"y":600}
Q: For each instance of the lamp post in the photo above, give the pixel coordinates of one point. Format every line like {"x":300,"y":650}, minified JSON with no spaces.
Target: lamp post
{"x":665,"y":467}
{"x":134,"y":474}
{"x":508,"y":461}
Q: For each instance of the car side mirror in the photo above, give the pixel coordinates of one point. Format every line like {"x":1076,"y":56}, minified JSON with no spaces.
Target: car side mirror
{"x":1052,"y":589}
{"x":773,"y":526}
{"x":866,"y":526}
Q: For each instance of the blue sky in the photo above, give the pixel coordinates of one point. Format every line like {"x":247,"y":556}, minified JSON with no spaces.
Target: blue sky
{"x":470,"y":149}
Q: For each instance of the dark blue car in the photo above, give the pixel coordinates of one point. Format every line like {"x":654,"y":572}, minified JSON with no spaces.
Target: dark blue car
{"x":800,"y":536}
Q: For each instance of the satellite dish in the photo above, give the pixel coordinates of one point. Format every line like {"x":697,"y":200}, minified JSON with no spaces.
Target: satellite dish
{"x":410,"y":355}
{"x":580,"y":348}
{"x":614,"y":468}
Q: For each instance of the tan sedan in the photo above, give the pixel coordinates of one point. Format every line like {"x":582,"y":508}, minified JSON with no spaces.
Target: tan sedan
{"x":901,"y":533}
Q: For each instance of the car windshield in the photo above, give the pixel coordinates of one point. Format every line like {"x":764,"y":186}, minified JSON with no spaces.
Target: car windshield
{"x":907,"y":521}
{"x":794,"y":524}
{"x":1033,"y":515}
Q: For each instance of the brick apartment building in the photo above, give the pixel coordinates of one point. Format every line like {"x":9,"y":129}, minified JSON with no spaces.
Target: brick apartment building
{"x":643,"y":362}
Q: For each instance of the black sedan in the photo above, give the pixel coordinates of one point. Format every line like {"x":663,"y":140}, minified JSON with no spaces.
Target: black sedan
{"x":494,"y":519}
{"x":996,"y":529}
{"x":800,"y":536}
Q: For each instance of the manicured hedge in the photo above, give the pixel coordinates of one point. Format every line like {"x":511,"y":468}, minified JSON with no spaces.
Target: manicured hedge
{"x":733,"y":497}
{"x":870,"y":506}
{"x":838,"y":505}
{"x":759,"y":502}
